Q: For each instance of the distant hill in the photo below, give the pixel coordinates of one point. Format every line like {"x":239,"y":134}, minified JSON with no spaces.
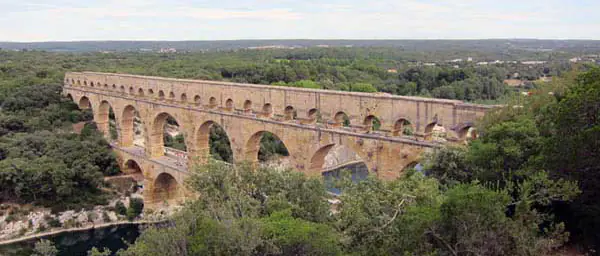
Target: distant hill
{"x":490,"y":45}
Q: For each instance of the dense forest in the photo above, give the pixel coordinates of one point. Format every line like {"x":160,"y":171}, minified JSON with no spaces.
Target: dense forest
{"x":528,"y":186}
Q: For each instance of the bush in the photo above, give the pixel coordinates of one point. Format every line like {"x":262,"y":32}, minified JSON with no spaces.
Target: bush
{"x":120,"y":208}
{"x":54,"y":222}
{"x":105,"y":217}
{"x":136,"y":205}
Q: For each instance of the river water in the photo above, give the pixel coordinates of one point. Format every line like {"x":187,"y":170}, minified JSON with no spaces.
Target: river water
{"x":78,"y":243}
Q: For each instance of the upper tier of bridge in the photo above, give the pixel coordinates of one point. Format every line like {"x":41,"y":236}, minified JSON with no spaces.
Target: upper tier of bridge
{"x":393,"y":112}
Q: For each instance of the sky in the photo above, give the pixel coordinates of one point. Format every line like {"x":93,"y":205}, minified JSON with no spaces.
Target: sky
{"x":75,"y":20}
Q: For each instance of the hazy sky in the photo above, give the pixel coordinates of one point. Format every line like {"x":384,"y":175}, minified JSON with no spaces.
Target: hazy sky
{"x":44,"y":20}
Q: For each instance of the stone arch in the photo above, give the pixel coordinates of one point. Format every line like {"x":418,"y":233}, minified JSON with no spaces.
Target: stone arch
{"x":141,"y":92}
{"x":114,"y":86}
{"x":253,"y":148}
{"x":127,"y":126}
{"x":183,"y":98}
{"x":467,"y":132}
{"x":122,"y":89}
{"x":429,"y":130}
{"x":165,"y":188}
{"x":78,"y":82}
{"x":403,"y":126}
{"x":229,"y":105}
{"x":84,"y":103}
{"x":150,"y":92}
{"x":131,"y":90}
{"x":70,"y":97}
{"x":132,"y":167}
{"x":290,"y":113}
{"x":248,"y":106}
{"x":410,"y":165}
{"x":313,"y":115}
{"x":171,"y":95}
{"x":203,"y":142}
{"x":157,"y":138}
{"x":197,"y":100}
{"x":372,"y":123}
{"x":342,"y":119}
{"x":317,"y":159}
{"x":103,"y":120}
{"x":85,"y":83}
{"x":267,"y":110}
{"x":72,"y":81}
{"x":105,"y":86}
{"x":91,"y":84}
{"x":161,"y":95}
{"x":212,"y":102}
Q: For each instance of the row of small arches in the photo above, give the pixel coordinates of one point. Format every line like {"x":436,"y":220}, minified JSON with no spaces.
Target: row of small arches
{"x":402,"y":126}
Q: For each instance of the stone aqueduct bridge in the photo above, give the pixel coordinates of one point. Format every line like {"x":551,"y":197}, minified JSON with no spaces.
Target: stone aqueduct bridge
{"x":308,"y":121}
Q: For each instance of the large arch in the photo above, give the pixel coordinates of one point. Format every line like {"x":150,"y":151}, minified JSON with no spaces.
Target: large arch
{"x":334,"y":161}
{"x":207,"y":135}
{"x":157,"y":138}
{"x":106,"y":121}
{"x":165,"y":188}
{"x":331,"y":159}
{"x":128,"y":126}
{"x":84,"y":103}
{"x":130,"y":166}
{"x":264,"y":145}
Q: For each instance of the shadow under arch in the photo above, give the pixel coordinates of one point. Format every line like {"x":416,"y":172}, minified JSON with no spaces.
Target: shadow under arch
{"x":159,"y":138}
{"x":165,"y":188}
{"x":263,"y":146}
{"x":128,"y":125}
{"x":212,"y":141}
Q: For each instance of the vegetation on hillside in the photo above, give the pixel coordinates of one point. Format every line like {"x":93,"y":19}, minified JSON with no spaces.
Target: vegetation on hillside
{"x":524,"y":188}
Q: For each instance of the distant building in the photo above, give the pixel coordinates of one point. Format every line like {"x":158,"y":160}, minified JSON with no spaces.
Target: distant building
{"x":167,"y":50}
{"x":392,"y":70}
{"x":429,"y":64}
{"x":514,"y":82}
{"x":533,"y":62}
{"x":469,"y":59}
{"x":483,"y":63}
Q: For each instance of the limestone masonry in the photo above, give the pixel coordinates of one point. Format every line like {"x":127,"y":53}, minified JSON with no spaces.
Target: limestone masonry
{"x":309,"y":122}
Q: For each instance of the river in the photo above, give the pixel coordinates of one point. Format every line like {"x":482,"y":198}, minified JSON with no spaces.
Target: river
{"x":78,"y":243}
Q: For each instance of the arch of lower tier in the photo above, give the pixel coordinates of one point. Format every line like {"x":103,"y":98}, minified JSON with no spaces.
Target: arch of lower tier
{"x":165,"y":189}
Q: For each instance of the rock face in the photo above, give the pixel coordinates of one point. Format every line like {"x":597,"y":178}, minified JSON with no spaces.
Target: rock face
{"x":340,"y":155}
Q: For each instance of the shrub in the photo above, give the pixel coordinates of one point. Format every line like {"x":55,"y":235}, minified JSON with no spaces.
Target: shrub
{"x":136,"y":205}
{"x":105,"y":217}
{"x":120,"y":208}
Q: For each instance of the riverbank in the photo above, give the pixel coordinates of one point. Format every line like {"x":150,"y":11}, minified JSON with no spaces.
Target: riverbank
{"x":88,"y":227}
